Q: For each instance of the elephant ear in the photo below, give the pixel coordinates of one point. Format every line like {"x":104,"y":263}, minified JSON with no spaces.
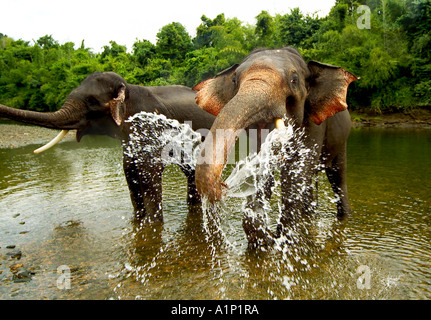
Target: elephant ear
{"x":327,"y":91}
{"x":117,"y":105}
{"x":214,"y":93}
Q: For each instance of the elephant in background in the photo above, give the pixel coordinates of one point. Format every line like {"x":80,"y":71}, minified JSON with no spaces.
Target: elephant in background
{"x":100,"y":105}
{"x":269,"y":85}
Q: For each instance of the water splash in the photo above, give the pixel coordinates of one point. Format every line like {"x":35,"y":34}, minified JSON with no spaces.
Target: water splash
{"x":162,"y":140}
{"x":249,"y":173}
{"x":256,"y":183}
{"x":284,"y":161}
{"x":251,"y":183}
{"x":254,"y":179}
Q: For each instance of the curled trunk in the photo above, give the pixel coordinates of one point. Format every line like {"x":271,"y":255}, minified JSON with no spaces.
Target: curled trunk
{"x":254,"y":102}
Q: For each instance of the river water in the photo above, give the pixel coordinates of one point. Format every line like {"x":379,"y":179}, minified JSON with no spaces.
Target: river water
{"x":66,"y":231}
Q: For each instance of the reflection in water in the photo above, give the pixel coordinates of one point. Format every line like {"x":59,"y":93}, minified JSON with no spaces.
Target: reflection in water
{"x":70,"y":206}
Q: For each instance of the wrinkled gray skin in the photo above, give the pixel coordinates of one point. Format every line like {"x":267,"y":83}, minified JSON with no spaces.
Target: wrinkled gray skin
{"x":99,"y":106}
{"x":271,"y":84}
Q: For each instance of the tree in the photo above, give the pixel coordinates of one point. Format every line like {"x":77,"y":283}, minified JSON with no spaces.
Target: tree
{"x":202,"y":64}
{"x":205,"y":34}
{"x":265,"y":29}
{"x":228,"y":36}
{"x":295,"y":29}
{"x":415,"y":23}
{"x":40,"y":77}
{"x":114,"y":50}
{"x":47,"y":42}
{"x":143,"y":51}
{"x":173,"y":42}
{"x":392,"y":58}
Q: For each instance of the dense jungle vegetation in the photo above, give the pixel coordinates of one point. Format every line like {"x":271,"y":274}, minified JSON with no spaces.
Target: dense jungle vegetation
{"x":392,"y":56}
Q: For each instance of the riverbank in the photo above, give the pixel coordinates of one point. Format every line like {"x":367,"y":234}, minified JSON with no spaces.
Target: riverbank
{"x":14,"y":135}
{"x":417,"y":118}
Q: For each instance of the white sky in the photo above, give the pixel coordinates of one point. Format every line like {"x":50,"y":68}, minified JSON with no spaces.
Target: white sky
{"x":124,"y":21}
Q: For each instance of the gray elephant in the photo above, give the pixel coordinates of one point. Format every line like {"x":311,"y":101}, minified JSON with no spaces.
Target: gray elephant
{"x":267,"y":86}
{"x":100,"y":105}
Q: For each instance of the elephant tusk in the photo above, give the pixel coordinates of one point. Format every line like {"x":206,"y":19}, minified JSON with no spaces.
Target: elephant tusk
{"x":279,"y":123}
{"x":53,"y":142}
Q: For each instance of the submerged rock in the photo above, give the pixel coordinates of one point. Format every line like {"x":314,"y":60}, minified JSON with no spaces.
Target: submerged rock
{"x":16,"y":254}
{"x":23,"y":276}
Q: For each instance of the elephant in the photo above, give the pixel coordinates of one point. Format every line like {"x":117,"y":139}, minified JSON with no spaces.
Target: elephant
{"x":267,"y":86}
{"x":100,"y":105}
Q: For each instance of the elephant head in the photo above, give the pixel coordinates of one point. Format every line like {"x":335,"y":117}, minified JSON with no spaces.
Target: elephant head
{"x":96,"y":106}
{"x":267,"y":86}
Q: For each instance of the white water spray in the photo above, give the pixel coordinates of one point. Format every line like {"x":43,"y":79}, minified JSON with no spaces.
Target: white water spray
{"x":169,"y":142}
{"x":163,"y":140}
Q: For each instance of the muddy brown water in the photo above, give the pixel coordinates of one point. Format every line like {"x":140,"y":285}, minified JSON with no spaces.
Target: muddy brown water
{"x":66,"y":231}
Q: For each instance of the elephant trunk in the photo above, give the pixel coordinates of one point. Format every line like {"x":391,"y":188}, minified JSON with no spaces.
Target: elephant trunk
{"x":256,"y":101}
{"x":66,"y":118}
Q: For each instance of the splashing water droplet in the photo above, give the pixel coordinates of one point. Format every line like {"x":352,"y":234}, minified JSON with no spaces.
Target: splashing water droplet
{"x":167,"y":141}
{"x":162,"y":140}
{"x":249,"y":174}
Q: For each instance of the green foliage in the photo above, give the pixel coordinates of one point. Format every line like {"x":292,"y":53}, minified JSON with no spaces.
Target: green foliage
{"x":143,"y":51}
{"x":295,"y":29}
{"x":173,"y":42}
{"x":206,"y":31}
{"x":392,"y":57}
{"x":39,"y":77}
{"x":265,"y":29}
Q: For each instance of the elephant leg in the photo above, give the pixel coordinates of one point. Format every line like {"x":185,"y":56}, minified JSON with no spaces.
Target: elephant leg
{"x":290,"y":209}
{"x":254,"y":224}
{"x":145,"y":185}
{"x":131,"y":172}
{"x":193,"y":196}
{"x":151,"y":186}
{"x":296,"y":194}
{"x":336,"y":173}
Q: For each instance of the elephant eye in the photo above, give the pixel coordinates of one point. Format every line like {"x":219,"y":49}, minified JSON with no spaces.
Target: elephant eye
{"x":91,"y":101}
{"x":234,"y":79}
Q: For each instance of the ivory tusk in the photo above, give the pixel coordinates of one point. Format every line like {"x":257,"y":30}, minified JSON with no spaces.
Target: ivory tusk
{"x":279,"y":123}
{"x":53,"y":142}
